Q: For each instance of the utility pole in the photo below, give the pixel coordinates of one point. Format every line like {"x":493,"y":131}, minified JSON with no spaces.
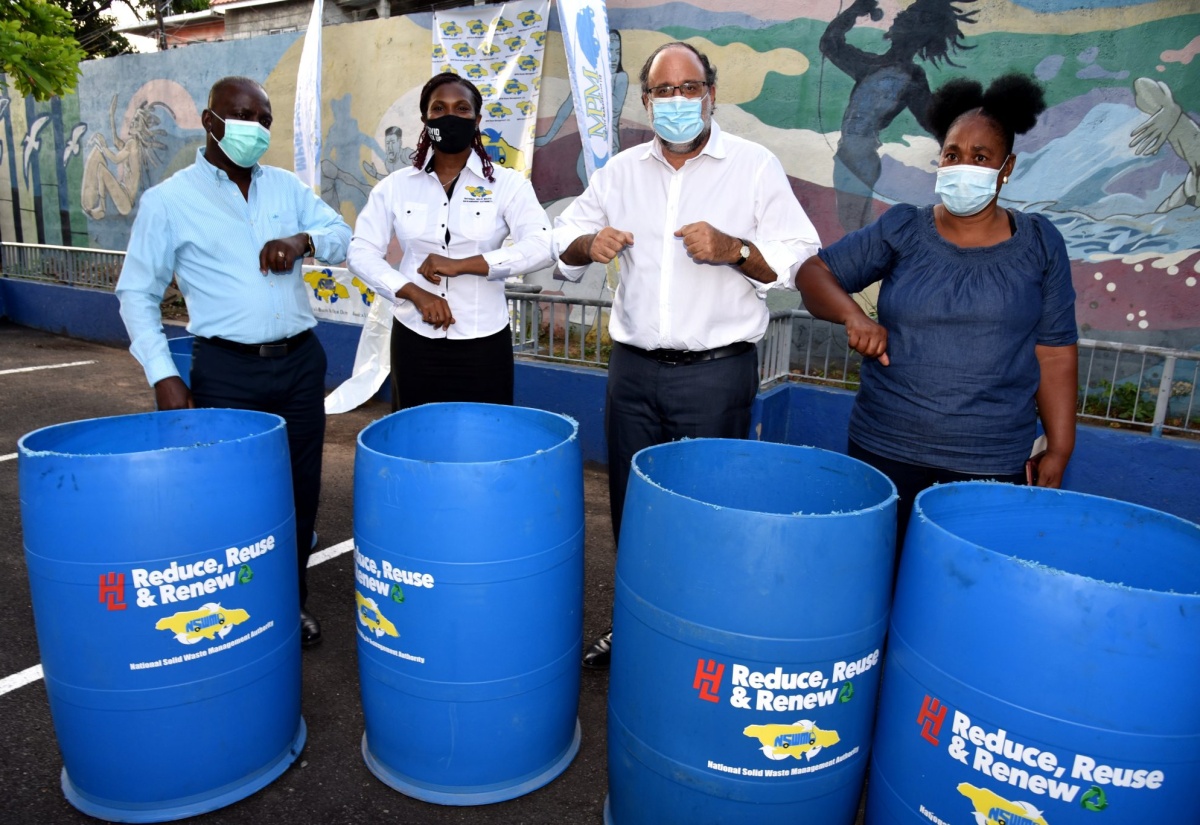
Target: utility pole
{"x":158,"y":16}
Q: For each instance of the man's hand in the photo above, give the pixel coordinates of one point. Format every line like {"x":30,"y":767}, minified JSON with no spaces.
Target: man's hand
{"x":434,"y":309}
{"x":708,"y":245}
{"x":435,"y":266}
{"x":172,"y":394}
{"x":867,"y":338}
{"x":281,"y":254}
{"x":608,"y":243}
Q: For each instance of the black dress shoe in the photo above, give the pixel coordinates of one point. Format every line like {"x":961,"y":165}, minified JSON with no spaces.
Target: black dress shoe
{"x":597,"y":656}
{"x":310,"y":629}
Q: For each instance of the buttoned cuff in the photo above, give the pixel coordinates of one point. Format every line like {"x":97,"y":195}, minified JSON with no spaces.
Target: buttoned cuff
{"x":502,"y":263}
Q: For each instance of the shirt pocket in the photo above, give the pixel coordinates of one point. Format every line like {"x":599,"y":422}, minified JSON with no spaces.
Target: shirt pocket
{"x":477,"y":221}
{"x":283,"y":225}
{"x":411,"y":220}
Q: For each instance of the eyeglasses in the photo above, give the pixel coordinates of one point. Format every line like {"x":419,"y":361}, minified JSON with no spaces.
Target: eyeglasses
{"x":689,"y":88}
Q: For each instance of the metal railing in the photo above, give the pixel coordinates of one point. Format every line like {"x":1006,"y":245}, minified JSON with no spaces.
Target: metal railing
{"x":1123,"y":385}
{"x":68,"y":265}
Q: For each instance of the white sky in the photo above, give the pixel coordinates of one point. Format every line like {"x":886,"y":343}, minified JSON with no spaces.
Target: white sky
{"x":125,"y":17}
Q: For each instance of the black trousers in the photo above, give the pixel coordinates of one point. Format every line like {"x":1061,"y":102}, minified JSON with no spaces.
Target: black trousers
{"x":291,"y":386}
{"x":431,"y":370}
{"x":648,"y":402}
{"x":911,"y":479}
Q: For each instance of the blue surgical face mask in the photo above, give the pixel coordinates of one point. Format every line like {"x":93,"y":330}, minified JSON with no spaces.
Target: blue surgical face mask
{"x":966,"y":189}
{"x":678,"y":119}
{"x":245,"y":141}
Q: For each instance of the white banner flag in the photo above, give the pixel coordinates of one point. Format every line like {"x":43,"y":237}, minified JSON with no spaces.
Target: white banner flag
{"x":499,"y":48}
{"x":585,"y":38}
{"x":307,"y":120}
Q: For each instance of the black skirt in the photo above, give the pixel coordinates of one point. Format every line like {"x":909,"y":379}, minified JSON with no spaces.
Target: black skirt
{"x":431,"y":370}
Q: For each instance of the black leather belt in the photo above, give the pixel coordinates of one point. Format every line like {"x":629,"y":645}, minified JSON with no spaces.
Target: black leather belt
{"x":272,"y":349}
{"x":682,"y":356}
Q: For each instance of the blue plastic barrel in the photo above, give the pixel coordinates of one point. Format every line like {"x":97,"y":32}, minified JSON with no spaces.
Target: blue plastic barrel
{"x":468,"y":533}
{"x":181,"y":354}
{"x":1043,"y":663}
{"x":162,"y":562}
{"x":753,"y":583}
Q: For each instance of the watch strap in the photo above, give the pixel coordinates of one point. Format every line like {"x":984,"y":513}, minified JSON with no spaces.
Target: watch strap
{"x":743,"y":253}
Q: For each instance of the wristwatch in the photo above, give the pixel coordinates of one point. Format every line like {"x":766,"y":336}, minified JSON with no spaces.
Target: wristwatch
{"x":310,"y":251}
{"x":743,"y":253}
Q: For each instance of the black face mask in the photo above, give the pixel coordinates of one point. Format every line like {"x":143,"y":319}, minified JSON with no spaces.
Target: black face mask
{"x":451,"y":134}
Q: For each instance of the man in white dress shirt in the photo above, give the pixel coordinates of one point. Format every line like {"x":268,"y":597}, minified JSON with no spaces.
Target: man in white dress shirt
{"x":702,"y":224}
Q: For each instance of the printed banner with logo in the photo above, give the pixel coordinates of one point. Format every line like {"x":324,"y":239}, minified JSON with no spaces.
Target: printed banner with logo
{"x":336,"y":295}
{"x":499,"y":48}
{"x":585,"y":38}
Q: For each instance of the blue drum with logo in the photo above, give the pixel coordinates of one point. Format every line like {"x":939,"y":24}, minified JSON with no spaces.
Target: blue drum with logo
{"x":468,"y":533}
{"x":752,"y":593}
{"x":1043,"y":663}
{"x":162,"y":563}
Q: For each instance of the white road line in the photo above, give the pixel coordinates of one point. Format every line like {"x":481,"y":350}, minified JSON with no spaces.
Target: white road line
{"x":33,"y":674}
{"x":330,"y":552}
{"x":29,"y":674}
{"x":47,"y":367}
{"x":8,"y":457}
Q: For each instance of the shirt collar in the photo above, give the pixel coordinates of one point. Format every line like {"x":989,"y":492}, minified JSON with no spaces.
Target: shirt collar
{"x":715,"y":146}
{"x":219,"y":174}
{"x":474,"y":164}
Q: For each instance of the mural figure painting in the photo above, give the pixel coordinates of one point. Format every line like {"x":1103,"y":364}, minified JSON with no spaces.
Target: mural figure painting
{"x":1167,"y":124}
{"x":884,"y":85}
{"x":620,"y":88}
{"x":395,"y":155}
{"x":339,"y":185}
{"x":134,"y":158}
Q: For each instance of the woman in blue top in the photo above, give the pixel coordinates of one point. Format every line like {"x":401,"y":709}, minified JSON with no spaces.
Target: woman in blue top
{"x":976,"y":334}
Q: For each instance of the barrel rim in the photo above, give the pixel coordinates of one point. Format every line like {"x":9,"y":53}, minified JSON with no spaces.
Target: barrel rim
{"x":892,"y":498}
{"x":1045,"y":492}
{"x":561,"y":444}
{"x":28,"y":454}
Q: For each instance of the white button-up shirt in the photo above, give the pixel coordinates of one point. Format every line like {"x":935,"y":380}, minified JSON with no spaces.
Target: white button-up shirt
{"x":666,"y":300}
{"x":411,"y":205}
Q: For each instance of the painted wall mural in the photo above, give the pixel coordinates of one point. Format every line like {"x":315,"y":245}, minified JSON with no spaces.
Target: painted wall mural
{"x":838,"y":94}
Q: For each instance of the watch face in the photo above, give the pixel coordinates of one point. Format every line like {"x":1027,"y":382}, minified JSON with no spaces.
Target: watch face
{"x":745,"y":253}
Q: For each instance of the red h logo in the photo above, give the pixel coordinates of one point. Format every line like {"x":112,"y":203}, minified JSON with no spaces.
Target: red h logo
{"x":932,"y":714}
{"x":112,"y":590}
{"x":708,"y":679}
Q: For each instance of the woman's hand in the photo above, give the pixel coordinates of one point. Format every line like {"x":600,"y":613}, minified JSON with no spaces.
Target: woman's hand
{"x":435,"y":266}
{"x":1050,"y":469}
{"x":867,"y":338}
{"x":433,"y":308}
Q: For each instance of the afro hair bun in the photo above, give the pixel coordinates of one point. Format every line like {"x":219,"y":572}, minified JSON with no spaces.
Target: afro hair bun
{"x":1014,"y":101}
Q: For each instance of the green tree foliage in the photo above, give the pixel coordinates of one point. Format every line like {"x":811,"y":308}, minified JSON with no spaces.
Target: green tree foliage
{"x":38,"y":49}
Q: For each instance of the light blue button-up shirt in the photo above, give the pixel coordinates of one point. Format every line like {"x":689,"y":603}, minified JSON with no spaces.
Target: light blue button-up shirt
{"x":197,"y":226}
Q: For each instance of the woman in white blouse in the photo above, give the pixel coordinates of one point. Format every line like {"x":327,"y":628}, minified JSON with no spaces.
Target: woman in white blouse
{"x":450,"y":212}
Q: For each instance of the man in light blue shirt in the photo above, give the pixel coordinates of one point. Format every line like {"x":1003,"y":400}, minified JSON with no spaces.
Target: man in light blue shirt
{"x":233,"y":234}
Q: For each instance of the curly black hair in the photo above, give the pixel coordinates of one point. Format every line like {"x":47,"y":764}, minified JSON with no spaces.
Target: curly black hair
{"x":1012,"y":102}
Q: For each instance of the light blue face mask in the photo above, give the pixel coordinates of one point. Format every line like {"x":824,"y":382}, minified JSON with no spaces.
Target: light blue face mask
{"x":966,"y":189}
{"x":678,"y":119}
{"x":245,"y":141}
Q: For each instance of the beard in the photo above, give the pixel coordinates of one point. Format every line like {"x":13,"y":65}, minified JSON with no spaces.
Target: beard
{"x":691,"y":146}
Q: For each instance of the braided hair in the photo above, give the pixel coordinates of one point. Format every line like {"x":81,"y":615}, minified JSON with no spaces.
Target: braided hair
{"x":1012,"y":103}
{"x":424,"y":143}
